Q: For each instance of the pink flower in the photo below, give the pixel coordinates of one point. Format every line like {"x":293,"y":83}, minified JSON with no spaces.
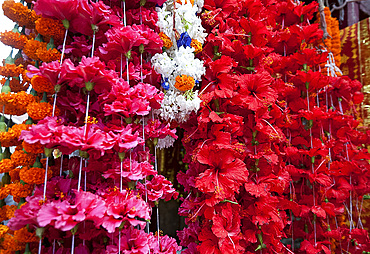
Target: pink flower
{"x":27,"y":214}
{"x":131,"y":171}
{"x":51,"y":71}
{"x":125,"y":208}
{"x":167,"y":245}
{"x":47,"y":131}
{"x":90,"y":71}
{"x":56,"y":9}
{"x":122,"y":39}
{"x":134,"y":241}
{"x":123,"y":138}
{"x":93,"y":15}
{"x":65,"y":215}
{"x":156,"y":129}
{"x":158,"y":188}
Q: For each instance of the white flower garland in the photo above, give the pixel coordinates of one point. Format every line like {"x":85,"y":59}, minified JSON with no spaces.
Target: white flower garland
{"x":179,"y":61}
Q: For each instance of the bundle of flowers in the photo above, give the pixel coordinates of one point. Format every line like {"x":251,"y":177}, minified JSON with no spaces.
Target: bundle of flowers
{"x":84,"y":169}
{"x":183,"y":35}
{"x":277,"y":156}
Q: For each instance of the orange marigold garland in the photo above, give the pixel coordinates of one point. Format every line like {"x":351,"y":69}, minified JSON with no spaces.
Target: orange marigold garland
{"x":41,"y":84}
{"x":50,"y":28}
{"x":21,"y":158}
{"x":6,"y":165}
{"x":19,"y":190}
{"x":11,"y":70}
{"x":11,"y":137}
{"x":24,"y":236}
{"x":33,"y":148}
{"x":33,"y":175}
{"x":31,"y":47}
{"x":48,"y":55}
{"x":16,"y":103}
{"x":13,"y":39}
{"x":11,"y":244}
{"x":14,"y":174}
{"x":3,"y":229}
{"x":9,"y":211}
{"x":332,"y":43}
{"x":184,"y":83}
{"x":38,"y":111}
{"x":17,"y":85}
{"x":20,"y":14}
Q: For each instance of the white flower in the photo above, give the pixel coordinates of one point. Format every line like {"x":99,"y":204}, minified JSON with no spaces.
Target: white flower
{"x":166,"y":142}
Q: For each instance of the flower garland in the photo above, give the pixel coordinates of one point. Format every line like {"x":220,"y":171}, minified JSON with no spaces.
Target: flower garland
{"x":84,"y":147}
{"x":182,"y":34}
{"x":270,"y":149}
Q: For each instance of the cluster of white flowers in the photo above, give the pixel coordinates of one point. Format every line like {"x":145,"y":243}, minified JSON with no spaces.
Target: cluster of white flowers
{"x":179,"y":60}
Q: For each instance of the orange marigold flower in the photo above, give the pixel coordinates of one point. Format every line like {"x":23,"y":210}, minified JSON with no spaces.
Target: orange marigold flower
{"x":6,"y":165}
{"x":184,"y":1}
{"x":20,"y":14}
{"x":14,"y":174}
{"x":21,"y":158}
{"x":167,"y":43}
{"x":50,"y":28}
{"x":18,"y":190}
{"x":9,"y":211}
{"x":33,"y":148}
{"x":38,"y":111}
{"x":3,"y":229}
{"x":196,"y":45}
{"x":32,"y":175}
{"x":16,"y":85}
{"x":42,"y":84}
{"x":24,"y":236}
{"x":184,"y":83}
{"x":4,"y":191}
{"x":13,"y":39}
{"x":2,"y":216}
{"x":31,"y":47}
{"x":16,"y":103}
{"x":10,"y":244}
{"x":48,"y":55}
{"x":11,"y":137}
{"x":11,"y":70}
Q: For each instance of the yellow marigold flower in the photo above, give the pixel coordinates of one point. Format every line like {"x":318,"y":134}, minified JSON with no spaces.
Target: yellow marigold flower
{"x":3,"y":230}
{"x":31,"y":47}
{"x":11,"y":70}
{"x":24,"y":236}
{"x":13,"y":39}
{"x":184,"y":83}
{"x":6,"y":165}
{"x":196,"y":45}
{"x":167,"y":43}
{"x":20,"y":14}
